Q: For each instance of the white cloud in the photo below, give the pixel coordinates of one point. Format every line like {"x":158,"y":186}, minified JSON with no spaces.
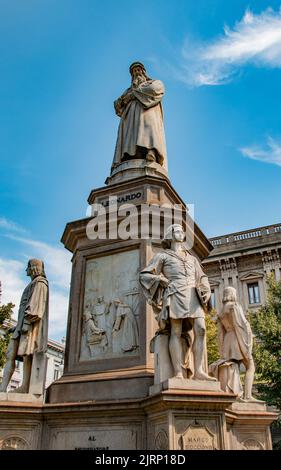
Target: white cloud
{"x":56,"y":260}
{"x":269,"y":154}
{"x":12,"y":280}
{"x":58,"y":268}
{"x":11,"y":226}
{"x":58,"y":309}
{"x":255,"y":40}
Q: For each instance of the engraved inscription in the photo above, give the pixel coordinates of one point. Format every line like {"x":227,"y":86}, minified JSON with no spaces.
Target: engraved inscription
{"x":197,"y":437}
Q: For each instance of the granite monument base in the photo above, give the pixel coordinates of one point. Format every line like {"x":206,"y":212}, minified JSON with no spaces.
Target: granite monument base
{"x":172,"y":419}
{"x":20,"y":397}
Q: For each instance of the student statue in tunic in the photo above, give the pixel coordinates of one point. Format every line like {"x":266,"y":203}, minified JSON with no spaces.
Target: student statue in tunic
{"x":178,"y":289}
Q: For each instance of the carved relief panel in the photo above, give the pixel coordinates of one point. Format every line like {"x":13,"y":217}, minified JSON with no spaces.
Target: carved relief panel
{"x":110,"y":311}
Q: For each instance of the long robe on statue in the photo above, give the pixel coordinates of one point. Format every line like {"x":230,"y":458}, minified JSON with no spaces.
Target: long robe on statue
{"x":235,"y":344}
{"x":142,"y":123}
{"x":126,"y":321}
{"x":32,"y":325}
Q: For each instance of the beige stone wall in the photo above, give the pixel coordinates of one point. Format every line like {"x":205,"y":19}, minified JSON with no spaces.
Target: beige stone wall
{"x":173,"y":419}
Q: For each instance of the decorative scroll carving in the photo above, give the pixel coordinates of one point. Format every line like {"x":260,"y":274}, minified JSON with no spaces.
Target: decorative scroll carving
{"x":13,"y":443}
{"x":252,"y":444}
{"x":161,"y":441}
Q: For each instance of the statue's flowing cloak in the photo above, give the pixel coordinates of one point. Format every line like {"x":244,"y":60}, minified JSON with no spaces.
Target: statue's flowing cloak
{"x":235,"y":345}
{"x":128,"y":324}
{"x":235,"y":335}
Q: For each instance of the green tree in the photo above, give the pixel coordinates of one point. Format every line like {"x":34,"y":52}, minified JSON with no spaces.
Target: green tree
{"x":266,"y":323}
{"x":5,"y":315}
{"x":212,"y":337}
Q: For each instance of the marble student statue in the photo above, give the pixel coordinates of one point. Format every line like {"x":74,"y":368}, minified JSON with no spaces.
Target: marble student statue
{"x":141,"y":130}
{"x":179,"y":291}
{"x":29,"y":338}
{"x":235,"y":345}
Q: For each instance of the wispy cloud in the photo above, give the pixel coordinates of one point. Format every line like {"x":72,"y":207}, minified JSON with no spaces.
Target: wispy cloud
{"x":13,"y":282}
{"x":57,"y":265}
{"x":271,"y":153}
{"x":11,"y":226}
{"x":254,"y":40}
{"x":56,"y":260}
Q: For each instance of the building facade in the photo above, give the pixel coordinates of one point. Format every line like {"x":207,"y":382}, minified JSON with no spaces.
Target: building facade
{"x":244,"y":260}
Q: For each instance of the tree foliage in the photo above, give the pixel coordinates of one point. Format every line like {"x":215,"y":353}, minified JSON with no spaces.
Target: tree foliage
{"x":5,"y":315}
{"x":266,"y":323}
{"x":212,"y":337}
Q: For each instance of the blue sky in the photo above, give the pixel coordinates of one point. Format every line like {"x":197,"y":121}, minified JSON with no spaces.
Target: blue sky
{"x":62,"y":64}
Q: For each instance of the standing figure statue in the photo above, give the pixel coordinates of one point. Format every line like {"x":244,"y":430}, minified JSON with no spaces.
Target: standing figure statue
{"x":141,"y":130}
{"x":175,"y":285}
{"x":29,"y":338}
{"x":235,"y":345}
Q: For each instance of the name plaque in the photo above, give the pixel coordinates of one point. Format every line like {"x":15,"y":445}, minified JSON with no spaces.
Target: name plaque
{"x":121,"y":198}
{"x":198,"y":437}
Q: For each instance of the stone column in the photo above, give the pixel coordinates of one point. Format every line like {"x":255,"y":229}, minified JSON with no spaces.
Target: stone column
{"x":228,"y":268}
{"x":271,"y":262}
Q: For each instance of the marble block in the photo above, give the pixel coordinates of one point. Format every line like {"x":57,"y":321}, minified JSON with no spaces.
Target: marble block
{"x":21,"y":397}
{"x":185,"y":384}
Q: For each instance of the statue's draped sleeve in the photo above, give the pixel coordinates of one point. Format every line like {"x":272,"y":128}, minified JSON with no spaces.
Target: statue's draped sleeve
{"x":243,"y":331}
{"x":202,"y":287}
{"x":202,"y":281}
{"x":221,"y":335}
{"x":149,"y":93}
{"x":150,"y":278}
{"x":35,"y":308}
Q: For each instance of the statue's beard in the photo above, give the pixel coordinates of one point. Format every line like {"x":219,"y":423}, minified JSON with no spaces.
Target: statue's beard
{"x":138,"y":80}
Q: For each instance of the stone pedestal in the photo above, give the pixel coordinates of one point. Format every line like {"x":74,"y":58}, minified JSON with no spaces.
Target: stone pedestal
{"x":107,"y":398}
{"x":104,"y":425}
{"x":179,"y":384}
{"x":132,"y":169}
{"x":20,"y":397}
{"x":169,"y":420}
{"x":175,"y":419}
{"x":249,"y":426}
{"x":104,"y":272}
{"x":188,"y":420}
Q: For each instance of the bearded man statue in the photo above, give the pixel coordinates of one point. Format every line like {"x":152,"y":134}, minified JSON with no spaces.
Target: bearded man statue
{"x":141,"y":129}
{"x":29,"y":338}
